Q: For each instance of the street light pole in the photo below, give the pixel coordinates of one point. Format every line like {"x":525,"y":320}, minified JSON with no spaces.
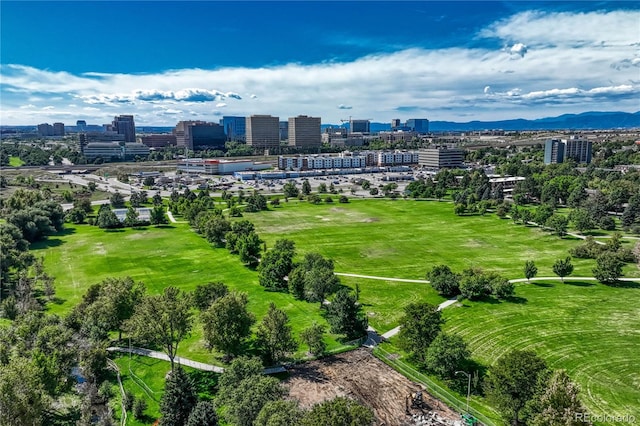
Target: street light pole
{"x":468,"y":386}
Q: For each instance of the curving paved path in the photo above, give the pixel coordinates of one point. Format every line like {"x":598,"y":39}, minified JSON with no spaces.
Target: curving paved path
{"x":183,"y":361}
{"x":372,"y":277}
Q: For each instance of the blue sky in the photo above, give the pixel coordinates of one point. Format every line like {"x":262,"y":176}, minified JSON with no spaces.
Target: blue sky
{"x":168,"y":61}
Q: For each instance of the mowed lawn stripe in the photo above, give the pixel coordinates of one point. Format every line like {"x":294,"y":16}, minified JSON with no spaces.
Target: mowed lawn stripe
{"x":589,"y":329}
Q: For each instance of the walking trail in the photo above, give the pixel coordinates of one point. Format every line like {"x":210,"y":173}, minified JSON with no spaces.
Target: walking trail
{"x":183,"y":361}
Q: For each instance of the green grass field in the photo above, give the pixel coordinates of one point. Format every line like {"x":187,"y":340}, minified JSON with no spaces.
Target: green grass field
{"x":403,"y":239}
{"x":159,"y":257}
{"x":15,"y":161}
{"x":588,"y":329}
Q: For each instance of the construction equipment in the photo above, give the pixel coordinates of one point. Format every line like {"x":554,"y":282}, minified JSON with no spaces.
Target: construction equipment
{"x":415,"y":401}
{"x":469,"y":420}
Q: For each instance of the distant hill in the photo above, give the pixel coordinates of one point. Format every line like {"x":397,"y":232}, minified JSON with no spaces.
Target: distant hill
{"x":585,"y":121}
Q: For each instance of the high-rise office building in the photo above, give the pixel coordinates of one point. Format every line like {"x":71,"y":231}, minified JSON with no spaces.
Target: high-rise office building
{"x":81,"y":126}
{"x":263,"y":131}
{"x":45,"y":129}
{"x":200,"y":135}
{"x":234,"y":127}
{"x":124,"y":125}
{"x":395,"y":123}
{"x":58,"y":129}
{"x":359,"y":126}
{"x":283,"y":129}
{"x":304,"y":131}
{"x":419,"y":125}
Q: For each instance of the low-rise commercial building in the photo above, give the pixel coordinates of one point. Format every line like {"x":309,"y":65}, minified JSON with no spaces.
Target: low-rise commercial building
{"x":158,"y":141}
{"x":211,"y":166}
{"x":441,"y":157}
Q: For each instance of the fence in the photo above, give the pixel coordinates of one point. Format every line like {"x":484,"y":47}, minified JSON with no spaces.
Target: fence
{"x":433,"y":388}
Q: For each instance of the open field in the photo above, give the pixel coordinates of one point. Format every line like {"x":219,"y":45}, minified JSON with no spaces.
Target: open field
{"x":159,"y":257}
{"x":403,"y":239}
{"x":586,"y":328}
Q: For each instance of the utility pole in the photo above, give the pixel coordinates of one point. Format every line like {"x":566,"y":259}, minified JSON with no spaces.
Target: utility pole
{"x":468,"y":386}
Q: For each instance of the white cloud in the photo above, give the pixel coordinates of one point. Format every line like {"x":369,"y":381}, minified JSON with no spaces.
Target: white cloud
{"x":572,"y":61}
{"x":518,"y":49}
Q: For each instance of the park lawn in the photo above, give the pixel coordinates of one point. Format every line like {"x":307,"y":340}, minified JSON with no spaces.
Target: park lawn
{"x":172,"y":255}
{"x":405,"y":238}
{"x":382,"y":301}
{"x":15,"y":161}
{"x":586,"y":328}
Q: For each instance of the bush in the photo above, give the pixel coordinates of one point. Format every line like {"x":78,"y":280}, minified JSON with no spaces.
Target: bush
{"x":502,"y":288}
{"x":138,"y":408}
{"x":106,"y":390}
{"x":129,"y":400}
{"x":607,"y":223}
{"x":343,"y":199}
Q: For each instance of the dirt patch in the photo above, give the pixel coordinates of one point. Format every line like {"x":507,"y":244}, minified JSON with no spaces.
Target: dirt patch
{"x":337,"y":209}
{"x":370,"y":220}
{"x":98,"y":248}
{"x":359,"y":375}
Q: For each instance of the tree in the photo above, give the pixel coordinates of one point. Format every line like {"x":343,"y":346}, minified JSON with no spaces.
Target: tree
{"x":582,"y":220}
{"x":420,"y":324}
{"x":279,"y":413}
{"x":164,"y":320}
{"x":512,"y":381}
{"x":343,"y":199}
{"x":608,"y":268}
{"x":138,"y":408}
{"x":107,"y":219}
{"x":149,"y":181}
{"x":274,"y":336}
{"x":205,"y":294}
{"x":558,"y":224}
{"x":227,"y":323}
{"x":276,"y":264}
{"x":322,"y":188}
{"x":178,"y":399}
{"x":339,"y":411}
{"x":117,"y":200}
{"x":446,"y":354}
{"x":244,"y":390}
{"x":249,"y":248}
{"x":22,"y":397}
{"x":203,"y":414}
{"x":131,"y":219}
{"x":530,"y":270}
{"x":501,"y":287}
{"x":559,"y":403}
{"x":157,"y":199}
{"x":444,"y":281}
{"x":306,"y":187}
{"x":290,"y":190}
{"x":345,"y":317}
{"x":157,"y":216}
{"x":76,"y":215}
{"x":313,"y":336}
{"x":474,"y":285}
{"x":563,"y":268}
{"x":318,"y":283}
{"x":214,"y":230}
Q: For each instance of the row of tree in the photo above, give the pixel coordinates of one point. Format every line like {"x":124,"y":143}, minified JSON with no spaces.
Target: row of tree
{"x":472,"y":283}
{"x":247,"y":397}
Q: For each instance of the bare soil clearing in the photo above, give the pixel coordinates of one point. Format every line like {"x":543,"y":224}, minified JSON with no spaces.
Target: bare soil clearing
{"x":359,"y":375}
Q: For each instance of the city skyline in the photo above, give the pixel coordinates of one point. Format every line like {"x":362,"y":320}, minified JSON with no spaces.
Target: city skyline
{"x":166,"y":61}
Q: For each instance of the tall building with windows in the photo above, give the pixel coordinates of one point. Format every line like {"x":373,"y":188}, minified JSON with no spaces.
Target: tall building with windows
{"x":199,"y":135}
{"x":304,"y":131}
{"x":58,"y":129}
{"x":81,"y":126}
{"x":263,"y":131}
{"x":124,"y":125}
{"x":234,"y":127}
{"x":283,"y":128}
{"x":553,"y":151}
{"x":419,"y":125}
{"x":359,"y":126}
{"x":578,"y":149}
{"x":45,"y":129}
